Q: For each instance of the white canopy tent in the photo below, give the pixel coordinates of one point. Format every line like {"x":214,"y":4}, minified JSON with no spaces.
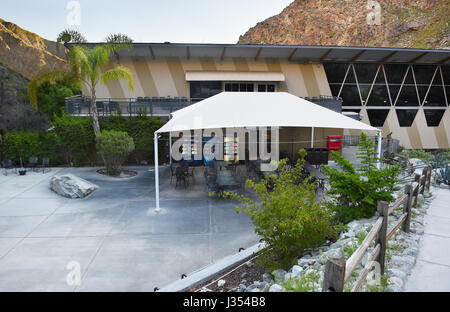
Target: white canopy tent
{"x":255,"y":109}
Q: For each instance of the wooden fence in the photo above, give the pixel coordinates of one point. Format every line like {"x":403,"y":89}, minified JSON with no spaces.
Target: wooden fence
{"x":337,"y":271}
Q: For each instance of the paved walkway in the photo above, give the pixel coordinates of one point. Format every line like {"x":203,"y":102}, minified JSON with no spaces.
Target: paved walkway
{"x":432,"y":269}
{"x":113,"y":236}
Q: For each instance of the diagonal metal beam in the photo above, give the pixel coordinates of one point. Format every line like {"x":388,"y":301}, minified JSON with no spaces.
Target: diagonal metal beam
{"x":325,"y":55}
{"x":292,"y":54}
{"x":258,"y":54}
{"x":357,"y":56}
{"x":414,"y":60}
{"x":387,"y":57}
{"x":222,"y":57}
{"x":152,"y":53}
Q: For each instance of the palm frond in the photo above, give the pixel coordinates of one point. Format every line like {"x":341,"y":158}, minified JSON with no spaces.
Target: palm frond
{"x":120,"y":72}
{"x":69,"y":35}
{"x":116,"y":42}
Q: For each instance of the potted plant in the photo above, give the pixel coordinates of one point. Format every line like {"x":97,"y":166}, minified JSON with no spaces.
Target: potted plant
{"x":22,"y":170}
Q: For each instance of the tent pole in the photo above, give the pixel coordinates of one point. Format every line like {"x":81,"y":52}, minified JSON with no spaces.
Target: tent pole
{"x":156,"y":171}
{"x":170,"y":146}
{"x":379,"y":149}
{"x":312,"y":137}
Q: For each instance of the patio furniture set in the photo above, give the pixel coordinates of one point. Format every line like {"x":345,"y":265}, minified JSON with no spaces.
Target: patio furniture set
{"x":33,"y":164}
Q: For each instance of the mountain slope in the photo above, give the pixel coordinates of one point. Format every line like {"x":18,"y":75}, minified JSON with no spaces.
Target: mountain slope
{"x":404,"y":23}
{"x":27,"y":53}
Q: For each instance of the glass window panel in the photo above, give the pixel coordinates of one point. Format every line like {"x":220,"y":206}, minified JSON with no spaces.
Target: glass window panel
{"x":408,"y":97}
{"x":205,"y":89}
{"x":424,"y":73}
{"x":228,"y":87}
{"x":434,"y":117}
{"x":377,"y":117}
{"x":446,"y":74}
{"x":379,"y":96}
{"x":235,"y":87}
{"x":395,"y":72}
{"x":335,"y":71}
{"x":350,"y":76}
{"x":350,"y":96}
{"x":250,"y":87}
{"x":437,"y":81}
{"x":335,"y":89}
{"x":435,"y":97}
{"x":406,"y":117}
{"x":243,"y":87}
{"x":364,"y":89}
{"x":422,"y":92}
{"x":380,"y":77}
{"x":261,"y":88}
{"x":394,"y":92}
{"x":366,"y":72}
{"x":409,"y":78}
{"x":271,"y":88}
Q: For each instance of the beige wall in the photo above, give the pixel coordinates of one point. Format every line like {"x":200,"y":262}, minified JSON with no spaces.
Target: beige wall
{"x":166,"y":76}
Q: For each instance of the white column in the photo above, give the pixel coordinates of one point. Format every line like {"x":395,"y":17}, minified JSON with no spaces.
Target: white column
{"x":312,"y":137}
{"x":380,"y":137}
{"x":156,"y":171}
{"x":170,"y":146}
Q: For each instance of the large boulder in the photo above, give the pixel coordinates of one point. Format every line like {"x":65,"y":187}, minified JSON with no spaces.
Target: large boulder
{"x":72,"y":186}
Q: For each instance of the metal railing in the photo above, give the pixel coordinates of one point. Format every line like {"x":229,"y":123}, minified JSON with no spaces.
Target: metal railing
{"x":156,"y":106}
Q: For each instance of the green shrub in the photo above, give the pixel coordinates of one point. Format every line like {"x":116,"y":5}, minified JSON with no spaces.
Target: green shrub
{"x":355,"y":192}
{"x":16,"y":145}
{"x":51,"y":97}
{"x":286,"y":215}
{"x":114,"y":147}
{"x":76,"y":136}
{"x":421,"y":154}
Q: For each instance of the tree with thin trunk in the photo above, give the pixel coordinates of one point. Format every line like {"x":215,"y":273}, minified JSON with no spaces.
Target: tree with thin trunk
{"x":87,"y":65}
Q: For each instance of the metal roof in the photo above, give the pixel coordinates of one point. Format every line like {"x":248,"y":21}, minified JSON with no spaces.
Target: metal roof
{"x":294,"y":53}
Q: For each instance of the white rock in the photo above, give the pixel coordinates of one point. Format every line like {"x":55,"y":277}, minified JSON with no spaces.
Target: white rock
{"x":276,"y":288}
{"x":296,"y":270}
{"x":72,"y":186}
{"x":221,"y":283}
{"x":306,"y":262}
{"x":395,"y":281}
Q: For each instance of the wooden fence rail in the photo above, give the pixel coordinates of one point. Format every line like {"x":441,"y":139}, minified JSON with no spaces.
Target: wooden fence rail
{"x":338,"y":272}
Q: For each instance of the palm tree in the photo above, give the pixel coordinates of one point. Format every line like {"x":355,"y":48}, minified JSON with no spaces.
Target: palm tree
{"x":87,"y":66}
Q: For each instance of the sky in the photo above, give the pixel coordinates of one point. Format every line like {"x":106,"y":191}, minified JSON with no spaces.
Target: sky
{"x":176,"y":21}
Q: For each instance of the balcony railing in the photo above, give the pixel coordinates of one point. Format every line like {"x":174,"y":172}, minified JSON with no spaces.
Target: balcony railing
{"x":161,"y":106}
{"x":156,"y":106}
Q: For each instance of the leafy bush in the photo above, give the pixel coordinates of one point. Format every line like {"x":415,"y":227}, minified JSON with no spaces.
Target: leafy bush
{"x":51,"y":97}
{"x":421,"y":154}
{"x":114,"y":147}
{"x":16,"y":145}
{"x":76,"y":136}
{"x":356,"y":191}
{"x":286,"y":215}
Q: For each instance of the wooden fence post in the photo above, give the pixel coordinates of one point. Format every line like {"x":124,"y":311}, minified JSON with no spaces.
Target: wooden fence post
{"x":416,"y":190}
{"x":430,"y":173}
{"x":383,"y":211}
{"x":407,"y":207}
{"x":424,"y":177}
{"x":334,"y":275}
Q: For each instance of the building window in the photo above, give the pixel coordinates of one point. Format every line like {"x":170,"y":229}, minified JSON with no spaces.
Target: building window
{"x":335,"y":72}
{"x":434,"y":117}
{"x":249,"y":87}
{"x":408,"y":96}
{"x":266,"y":87}
{"x":395,"y":73}
{"x":377,"y":117}
{"x":435,"y":97}
{"x":406,"y":117}
{"x":205,"y":89}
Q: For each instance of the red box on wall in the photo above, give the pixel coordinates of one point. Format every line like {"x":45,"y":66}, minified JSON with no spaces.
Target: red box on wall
{"x":334,"y":142}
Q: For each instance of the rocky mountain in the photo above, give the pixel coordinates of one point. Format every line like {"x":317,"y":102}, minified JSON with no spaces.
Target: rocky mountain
{"x":401,"y":23}
{"x":27,"y":53}
{"x":23,"y":54}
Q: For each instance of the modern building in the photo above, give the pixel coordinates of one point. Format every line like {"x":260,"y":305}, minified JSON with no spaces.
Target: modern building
{"x":401,"y":91}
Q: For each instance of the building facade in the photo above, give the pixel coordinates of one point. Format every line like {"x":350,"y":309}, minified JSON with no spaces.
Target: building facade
{"x":401,"y":91}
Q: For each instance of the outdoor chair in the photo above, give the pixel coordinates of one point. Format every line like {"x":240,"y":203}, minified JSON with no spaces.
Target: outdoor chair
{"x":173,"y":168}
{"x":45,"y":164}
{"x":7,"y":164}
{"x":32,"y":163}
{"x":181,"y":176}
